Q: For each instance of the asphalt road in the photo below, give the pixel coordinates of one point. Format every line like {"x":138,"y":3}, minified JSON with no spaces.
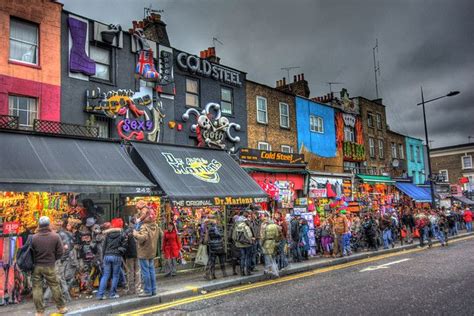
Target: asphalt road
{"x":438,"y":281}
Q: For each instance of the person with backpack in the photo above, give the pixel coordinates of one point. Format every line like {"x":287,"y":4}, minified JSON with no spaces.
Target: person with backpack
{"x":113,"y":249}
{"x":243,"y":240}
{"x":214,"y":240}
{"x":386,"y":227}
{"x":46,"y":247}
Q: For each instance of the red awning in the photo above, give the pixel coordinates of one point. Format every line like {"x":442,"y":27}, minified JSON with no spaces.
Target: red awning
{"x":296,"y":179}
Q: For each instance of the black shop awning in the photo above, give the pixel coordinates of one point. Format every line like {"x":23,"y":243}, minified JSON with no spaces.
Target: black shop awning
{"x":192,"y":176}
{"x":56,"y":164}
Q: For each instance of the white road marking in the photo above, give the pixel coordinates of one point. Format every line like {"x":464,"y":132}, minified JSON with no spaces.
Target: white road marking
{"x":383,"y":266}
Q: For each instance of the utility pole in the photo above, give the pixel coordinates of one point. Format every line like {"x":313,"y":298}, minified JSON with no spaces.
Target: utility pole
{"x":376,"y":67}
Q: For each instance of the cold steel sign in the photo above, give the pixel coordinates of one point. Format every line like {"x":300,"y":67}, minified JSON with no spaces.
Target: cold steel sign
{"x":203,"y":67}
{"x":263,"y":156}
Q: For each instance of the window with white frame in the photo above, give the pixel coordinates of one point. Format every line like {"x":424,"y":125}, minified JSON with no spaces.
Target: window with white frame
{"x":380,"y":148}
{"x":349,"y":135}
{"x":378,"y":119}
{"x":101,"y":56}
{"x":226,"y":100}
{"x":284,"y":115}
{"x":401,"y":152}
{"x":286,"y":149}
{"x":444,"y":175}
{"x":25,"y":108}
{"x":394,"y":150}
{"x":264,"y":146}
{"x":372,"y":147}
{"x":316,"y":124}
{"x":192,"y":92}
{"x":467,"y":162}
{"x":262,"y":114}
{"x":23,"y":41}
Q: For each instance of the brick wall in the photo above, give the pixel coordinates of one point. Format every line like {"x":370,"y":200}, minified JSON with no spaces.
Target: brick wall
{"x":398,"y":140}
{"x":452,"y":163}
{"x":272,"y":132}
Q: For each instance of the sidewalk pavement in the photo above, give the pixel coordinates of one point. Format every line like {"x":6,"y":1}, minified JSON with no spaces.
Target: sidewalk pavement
{"x":191,"y":283}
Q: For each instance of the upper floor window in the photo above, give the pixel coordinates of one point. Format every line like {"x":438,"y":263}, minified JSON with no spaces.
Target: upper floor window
{"x":394,"y":150}
{"x":372,"y":147}
{"x":401,"y":152}
{"x":23,"y":41}
{"x":349,"y":135}
{"x":418,"y":154}
{"x":444,"y":175}
{"x":412,"y":153}
{"x":101,"y":56}
{"x":264,"y":146}
{"x":25,"y":108}
{"x":370,"y":119}
{"x":380,"y":148}
{"x":378,"y":119}
{"x":192,"y":92}
{"x":226,"y":100}
{"x":262,"y":114}
{"x":284,"y":115}
{"x":316,"y":124}
{"x":467,"y":162}
{"x":286,"y":149}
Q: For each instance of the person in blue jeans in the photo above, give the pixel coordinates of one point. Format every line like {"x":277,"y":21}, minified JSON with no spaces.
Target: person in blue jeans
{"x":386,"y":226}
{"x":114,"y":248}
{"x":147,"y":242}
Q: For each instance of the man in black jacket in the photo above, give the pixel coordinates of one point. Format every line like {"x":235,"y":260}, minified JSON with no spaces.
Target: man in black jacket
{"x":131,"y":262}
{"x":113,"y":250}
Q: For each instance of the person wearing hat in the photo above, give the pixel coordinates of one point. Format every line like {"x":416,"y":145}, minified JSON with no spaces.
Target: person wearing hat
{"x":47,"y":247}
{"x":467,"y":216}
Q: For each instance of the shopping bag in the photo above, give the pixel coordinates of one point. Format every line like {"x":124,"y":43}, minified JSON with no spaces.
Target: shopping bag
{"x":403,"y":233}
{"x":416,"y":233}
{"x":201,"y":256}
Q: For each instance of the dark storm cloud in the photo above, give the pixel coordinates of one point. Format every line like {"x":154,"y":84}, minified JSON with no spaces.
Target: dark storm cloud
{"x":421,"y":43}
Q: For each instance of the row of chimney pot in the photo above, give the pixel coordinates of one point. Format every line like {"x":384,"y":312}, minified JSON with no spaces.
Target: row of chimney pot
{"x":296,"y":78}
{"x":209,"y":52}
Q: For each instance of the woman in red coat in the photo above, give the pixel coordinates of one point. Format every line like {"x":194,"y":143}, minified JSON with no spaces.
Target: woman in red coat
{"x":171,"y":246}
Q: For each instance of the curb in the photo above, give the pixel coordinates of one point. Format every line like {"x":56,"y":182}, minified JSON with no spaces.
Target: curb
{"x":136,"y":303}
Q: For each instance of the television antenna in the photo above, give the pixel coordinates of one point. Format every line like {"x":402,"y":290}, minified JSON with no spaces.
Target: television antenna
{"x":333,"y":83}
{"x":376,"y":67}
{"x":469,"y":138}
{"x":149,"y":10}
{"x":288,"y":70}
{"x":216,"y":40}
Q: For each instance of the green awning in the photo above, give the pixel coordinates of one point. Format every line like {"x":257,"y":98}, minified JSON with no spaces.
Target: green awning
{"x":367,"y":178}
{"x":274,"y":170}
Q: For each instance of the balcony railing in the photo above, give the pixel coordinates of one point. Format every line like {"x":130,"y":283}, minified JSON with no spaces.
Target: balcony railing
{"x":53,"y":127}
{"x":9,"y":122}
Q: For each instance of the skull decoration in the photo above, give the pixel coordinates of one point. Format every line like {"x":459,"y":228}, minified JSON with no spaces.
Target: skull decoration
{"x":212,"y":129}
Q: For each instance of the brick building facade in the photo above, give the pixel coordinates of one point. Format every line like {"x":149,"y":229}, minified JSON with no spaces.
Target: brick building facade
{"x":397,"y":163}
{"x":454,"y":163}
{"x":374,"y":126}
{"x":274,"y":128}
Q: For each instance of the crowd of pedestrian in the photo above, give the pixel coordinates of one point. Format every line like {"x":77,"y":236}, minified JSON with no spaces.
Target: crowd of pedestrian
{"x":72,"y":255}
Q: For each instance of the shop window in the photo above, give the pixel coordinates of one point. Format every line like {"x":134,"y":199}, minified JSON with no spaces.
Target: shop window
{"x":412,"y":153}
{"x":23,"y":41}
{"x":467,"y":162}
{"x":372,"y":147}
{"x":350,"y":166}
{"x":394,"y":150}
{"x":286,"y":149}
{"x":103,"y":124}
{"x":380,"y":149}
{"x":264,"y":146}
{"x":284,"y":115}
{"x":316,"y":124}
{"x":370,"y":119}
{"x":101,"y":56}
{"x":25,"y":108}
{"x":400,"y":151}
{"x":349,"y":135}
{"x":378,"y":118}
{"x":262,"y":114}
{"x":444,"y":175}
{"x":192,"y":92}
{"x":226,"y":100}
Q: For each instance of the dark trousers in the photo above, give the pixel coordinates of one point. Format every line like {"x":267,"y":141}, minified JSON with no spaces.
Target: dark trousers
{"x":211,"y":264}
{"x":245,"y":259}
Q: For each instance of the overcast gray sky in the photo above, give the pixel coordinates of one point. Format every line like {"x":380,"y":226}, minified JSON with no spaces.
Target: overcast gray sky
{"x":428,"y":43}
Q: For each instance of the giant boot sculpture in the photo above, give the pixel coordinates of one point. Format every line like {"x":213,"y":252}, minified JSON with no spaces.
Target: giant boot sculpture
{"x":78,"y":59}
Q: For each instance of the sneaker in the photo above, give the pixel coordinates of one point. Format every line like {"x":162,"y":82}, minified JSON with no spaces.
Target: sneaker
{"x":101,"y":298}
{"x":144,"y":294}
{"x":63,"y":310}
{"x":114,"y":296}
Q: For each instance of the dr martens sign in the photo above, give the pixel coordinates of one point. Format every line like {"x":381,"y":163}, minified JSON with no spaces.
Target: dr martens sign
{"x":205,"y":68}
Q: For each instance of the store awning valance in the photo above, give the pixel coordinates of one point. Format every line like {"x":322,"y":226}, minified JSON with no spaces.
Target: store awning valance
{"x":464,"y":200}
{"x":416,"y":193}
{"x":55,"y":164}
{"x":192,"y":176}
{"x":366,"y":178}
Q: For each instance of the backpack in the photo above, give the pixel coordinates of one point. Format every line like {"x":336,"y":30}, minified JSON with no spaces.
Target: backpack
{"x":24,"y":256}
{"x":241,"y":237}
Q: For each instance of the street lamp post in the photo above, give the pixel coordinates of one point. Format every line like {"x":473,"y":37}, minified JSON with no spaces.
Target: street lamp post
{"x":430,"y":175}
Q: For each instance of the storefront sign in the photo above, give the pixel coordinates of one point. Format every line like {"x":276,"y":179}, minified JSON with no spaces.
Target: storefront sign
{"x":11,"y":228}
{"x":263,"y":156}
{"x":456,"y":190}
{"x":199,"y":168}
{"x":317,"y":193}
{"x":203,"y":67}
{"x":329,"y":187}
{"x":220,"y":201}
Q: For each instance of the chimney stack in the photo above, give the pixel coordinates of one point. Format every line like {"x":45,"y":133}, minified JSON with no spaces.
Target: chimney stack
{"x":302,"y":76}
{"x":294,"y":78}
{"x":284,"y":81}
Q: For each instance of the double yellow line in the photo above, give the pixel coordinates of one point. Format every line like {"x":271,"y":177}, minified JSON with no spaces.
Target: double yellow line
{"x":241,"y":288}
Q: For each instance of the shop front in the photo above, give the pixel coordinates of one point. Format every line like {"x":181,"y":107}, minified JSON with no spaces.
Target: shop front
{"x":281,"y":175}
{"x":195,"y":184}
{"x":375,"y":193}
